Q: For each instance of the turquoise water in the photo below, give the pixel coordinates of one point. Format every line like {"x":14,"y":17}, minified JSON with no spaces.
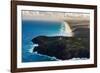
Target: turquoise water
{"x":32,"y":29}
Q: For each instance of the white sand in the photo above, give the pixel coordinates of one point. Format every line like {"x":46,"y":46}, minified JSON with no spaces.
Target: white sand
{"x":68,"y":30}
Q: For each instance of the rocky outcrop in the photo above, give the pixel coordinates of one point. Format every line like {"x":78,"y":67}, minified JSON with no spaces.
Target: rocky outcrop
{"x":82,"y":32}
{"x":62,"y":48}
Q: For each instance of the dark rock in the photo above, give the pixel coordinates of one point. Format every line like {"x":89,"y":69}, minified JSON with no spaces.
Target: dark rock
{"x":82,"y":32}
{"x":62,"y":47}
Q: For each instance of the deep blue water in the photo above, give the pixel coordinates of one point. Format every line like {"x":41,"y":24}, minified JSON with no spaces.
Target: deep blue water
{"x":32,"y":29}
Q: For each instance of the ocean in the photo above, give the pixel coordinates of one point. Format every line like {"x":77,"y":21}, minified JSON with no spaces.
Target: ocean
{"x":34,"y":28}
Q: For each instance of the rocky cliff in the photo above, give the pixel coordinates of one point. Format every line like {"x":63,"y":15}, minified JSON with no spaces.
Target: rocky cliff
{"x":61,"y":47}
